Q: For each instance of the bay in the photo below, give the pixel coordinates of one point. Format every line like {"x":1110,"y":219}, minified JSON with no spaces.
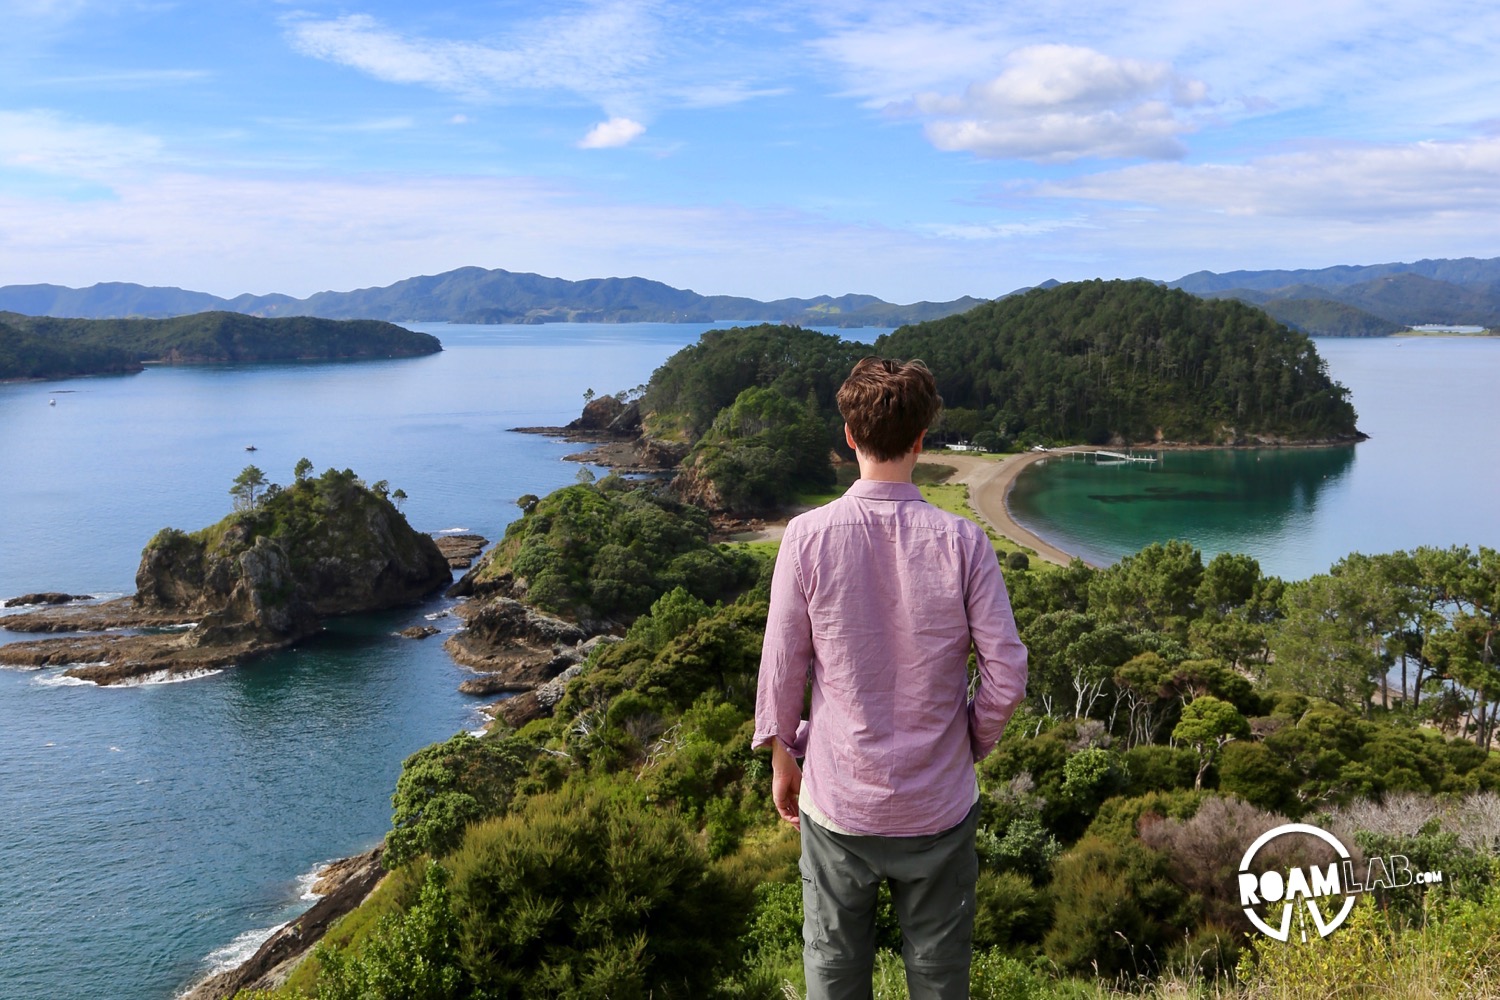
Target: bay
{"x":149,"y":834}
{"x":1428,"y":475}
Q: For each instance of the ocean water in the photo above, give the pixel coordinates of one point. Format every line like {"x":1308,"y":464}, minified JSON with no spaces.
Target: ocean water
{"x":150,"y":834}
{"x":1428,"y":475}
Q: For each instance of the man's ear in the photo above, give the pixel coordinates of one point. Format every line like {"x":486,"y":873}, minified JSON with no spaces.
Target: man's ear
{"x":849,"y":437}
{"x":920,"y":439}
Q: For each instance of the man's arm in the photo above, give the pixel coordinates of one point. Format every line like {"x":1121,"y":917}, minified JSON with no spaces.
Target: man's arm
{"x":784,"y":660}
{"x":997,"y":647}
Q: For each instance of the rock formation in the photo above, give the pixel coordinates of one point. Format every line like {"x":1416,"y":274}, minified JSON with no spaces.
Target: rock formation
{"x":258,"y":580}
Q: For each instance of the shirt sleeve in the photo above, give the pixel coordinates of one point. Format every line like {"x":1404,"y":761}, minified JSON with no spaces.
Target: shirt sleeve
{"x":997,"y":647}
{"x":785,"y":658}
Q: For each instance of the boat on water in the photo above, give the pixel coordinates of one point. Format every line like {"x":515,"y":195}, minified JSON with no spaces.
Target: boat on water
{"x":251,"y":447}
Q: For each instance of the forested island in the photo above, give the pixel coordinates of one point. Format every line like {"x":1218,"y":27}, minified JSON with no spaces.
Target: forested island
{"x":260,"y":579}
{"x":1127,"y":362}
{"x":40,"y":347}
{"x":747,"y":415}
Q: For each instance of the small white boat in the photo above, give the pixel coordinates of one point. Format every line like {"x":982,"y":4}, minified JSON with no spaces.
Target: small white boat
{"x":51,"y":402}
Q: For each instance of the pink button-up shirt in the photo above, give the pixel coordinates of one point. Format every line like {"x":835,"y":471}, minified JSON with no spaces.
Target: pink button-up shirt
{"x":881,"y":595}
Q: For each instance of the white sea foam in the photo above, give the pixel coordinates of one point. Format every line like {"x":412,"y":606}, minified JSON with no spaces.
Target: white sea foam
{"x":238,"y":951}
{"x":166,"y":677}
{"x":62,"y":681}
{"x":307,"y":880}
{"x":477,"y":733}
{"x":452,"y":531}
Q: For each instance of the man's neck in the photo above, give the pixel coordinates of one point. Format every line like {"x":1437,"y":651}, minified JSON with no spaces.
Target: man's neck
{"x":898,"y":471}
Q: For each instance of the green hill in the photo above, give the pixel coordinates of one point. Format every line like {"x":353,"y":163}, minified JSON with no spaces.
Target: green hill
{"x":45,"y":347}
{"x":1127,"y":362}
{"x":26,"y":356}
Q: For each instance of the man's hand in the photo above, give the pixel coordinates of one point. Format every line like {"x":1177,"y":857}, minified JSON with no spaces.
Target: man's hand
{"x":786,"y":783}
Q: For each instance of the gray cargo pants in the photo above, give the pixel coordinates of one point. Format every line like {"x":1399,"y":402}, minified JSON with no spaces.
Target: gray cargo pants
{"x":932,"y":885}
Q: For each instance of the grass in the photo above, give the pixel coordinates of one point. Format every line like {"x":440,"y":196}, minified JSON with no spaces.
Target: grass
{"x":954,"y":498}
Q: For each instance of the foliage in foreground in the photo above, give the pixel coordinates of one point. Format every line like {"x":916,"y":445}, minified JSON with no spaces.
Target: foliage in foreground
{"x":607,"y":550}
{"x":1157,"y":741}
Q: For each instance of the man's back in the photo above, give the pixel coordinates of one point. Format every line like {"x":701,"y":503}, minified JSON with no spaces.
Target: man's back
{"x":877,"y":597}
{"x":887,"y":582}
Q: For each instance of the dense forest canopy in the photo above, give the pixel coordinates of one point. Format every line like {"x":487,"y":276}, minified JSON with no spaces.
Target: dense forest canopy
{"x":45,"y":347}
{"x":1128,"y":362}
{"x":25,"y":355}
{"x":756,"y":407}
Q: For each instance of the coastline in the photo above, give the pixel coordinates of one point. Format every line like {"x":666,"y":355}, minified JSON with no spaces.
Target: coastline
{"x":990,"y":481}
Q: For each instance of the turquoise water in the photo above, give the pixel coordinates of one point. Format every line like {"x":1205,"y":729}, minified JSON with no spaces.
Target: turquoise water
{"x":149,"y":834}
{"x":1428,"y":475}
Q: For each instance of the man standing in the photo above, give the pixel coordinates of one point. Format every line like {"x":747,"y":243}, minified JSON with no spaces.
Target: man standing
{"x":880,"y":597}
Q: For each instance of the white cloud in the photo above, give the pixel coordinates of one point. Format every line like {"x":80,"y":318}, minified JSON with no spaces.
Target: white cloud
{"x":49,"y":143}
{"x":301,"y":235}
{"x":594,"y":54}
{"x":613,"y":133}
{"x":1005,"y":230}
{"x":1258,"y":59}
{"x":1055,"y":103}
{"x":1364,"y":184}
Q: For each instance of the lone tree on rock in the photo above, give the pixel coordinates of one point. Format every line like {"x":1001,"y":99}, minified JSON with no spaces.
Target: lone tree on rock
{"x":247,"y":487}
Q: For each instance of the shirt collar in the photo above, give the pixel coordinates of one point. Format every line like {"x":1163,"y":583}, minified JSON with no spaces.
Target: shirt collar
{"x":871,"y":489}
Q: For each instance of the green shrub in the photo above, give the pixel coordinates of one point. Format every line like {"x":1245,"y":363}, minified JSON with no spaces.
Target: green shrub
{"x":445,"y":787}
{"x":1008,"y":911}
{"x":591,"y":893}
{"x":1115,"y":908}
{"x":413,"y":956}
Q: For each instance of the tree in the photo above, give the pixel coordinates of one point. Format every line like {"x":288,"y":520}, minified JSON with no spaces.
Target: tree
{"x":247,"y":487}
{"x":1207,"y":724}
{"x":381,"y":488}
{"x":302,"y":469}
{"x":1323,"y":647}
{"x":398,"y":498}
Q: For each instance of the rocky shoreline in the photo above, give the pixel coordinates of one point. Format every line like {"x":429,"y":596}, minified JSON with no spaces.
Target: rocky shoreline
{"x":341,"y":886}
{"x":201,"y":606}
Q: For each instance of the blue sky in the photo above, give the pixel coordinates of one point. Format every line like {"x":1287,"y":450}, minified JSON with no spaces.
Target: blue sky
{"x":911,"y":150}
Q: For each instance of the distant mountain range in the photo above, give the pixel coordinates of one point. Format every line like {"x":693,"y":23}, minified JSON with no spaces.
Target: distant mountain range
{"x":1349,"y":300}
{"x":1365,"y":301}
{"x":476,"y":295}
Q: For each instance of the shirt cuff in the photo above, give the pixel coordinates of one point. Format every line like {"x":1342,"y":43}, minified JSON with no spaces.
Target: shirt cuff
{"x":796,"y":746}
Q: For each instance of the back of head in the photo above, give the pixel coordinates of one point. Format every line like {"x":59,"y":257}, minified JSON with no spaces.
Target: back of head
{"x":887,"y":405}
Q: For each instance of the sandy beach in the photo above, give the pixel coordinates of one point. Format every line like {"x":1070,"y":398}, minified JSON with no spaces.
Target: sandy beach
{"x":989,"y":481}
